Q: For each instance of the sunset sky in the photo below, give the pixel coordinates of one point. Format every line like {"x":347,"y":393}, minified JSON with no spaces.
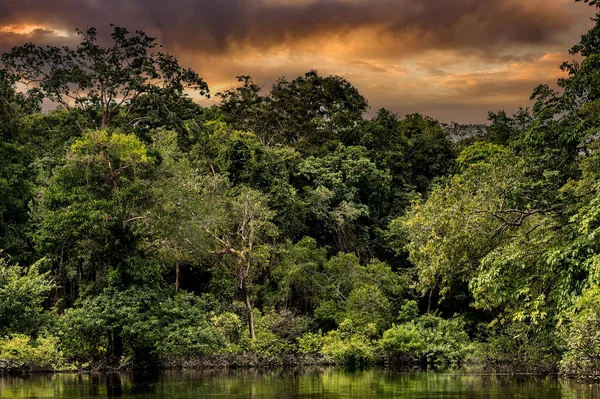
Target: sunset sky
{"x":453,"y":60}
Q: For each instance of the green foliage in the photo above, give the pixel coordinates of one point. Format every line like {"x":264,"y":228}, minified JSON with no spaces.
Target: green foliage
{"x":515,"y":347}
{"x":404,"y":343}
{"x":16,"y":172}
{"x":310,"y":343}
{"x":20,"y":352}
{"x":339,"y":288}
{"x":344,"y":189}
{"x":482,"y":229}
{"x":242,"y":158}
{"x":230,"y":325}
{"x":91,"y":212}
{"x":22,"y":294}
{"x":581,"y":337}
{"x":350,"y":345}
{"x":102,"y":78}
{"x":184,"y":329}
{"x":479,"y":152}
{"x":428,"y":339}
{"x":173,"y":227}
{"x":138,"y":321}
{"x":312,"y":113}
{"x":16,"y":186}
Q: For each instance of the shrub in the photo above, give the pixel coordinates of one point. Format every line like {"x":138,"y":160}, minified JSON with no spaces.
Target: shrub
{"x":276,"y":333}
{"x":403,"y":343}
{"x":147,"y":321}
{"x":229,"y":324}
{"x":310,"y":343}
{"x":22,"y":292}
{"x":20,"y":352}
{"x":351,"y":345}
{"x":429,"y":340}
{"x":582,"y":338}
{"x":517,"y":347}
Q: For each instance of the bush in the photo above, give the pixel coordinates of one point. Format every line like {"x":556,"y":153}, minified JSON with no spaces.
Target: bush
{"x":582,"y":338}
{"x":284,"y":324}
{"x":20,"y":352}
{"x":276,"y":332}
{"x":310,"y":343}
{"x":230,"y":326}
{"x":403,"y":343}
{"x":517,"y":347}
{"x":22,"y":292}
{"x":147,"y":321}
{"x":351,"y":345}
{"x":182,"y":328}
{"x":429,"y":340}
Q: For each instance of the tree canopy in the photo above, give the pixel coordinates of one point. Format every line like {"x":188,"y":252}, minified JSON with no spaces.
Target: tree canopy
{"x":137,"y":225}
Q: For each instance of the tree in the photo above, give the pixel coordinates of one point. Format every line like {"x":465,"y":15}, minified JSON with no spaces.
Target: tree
{"x":247,"y":110}
{"x":22,"y":294}
{"x":179,"y":208}
{"x":346,"y":195}
{"x":337,"y":288}
{"x":242,"y":238}
{"x":245,"y":161}
{"x":16,"y":172}
{"x":102,"y":78}
{"x":469,"y":220}
{"x":430,"y":154}
{"x":139,"y":320}
{"x":414,"y":151}
{"x":91,"y":213}
{"x":312,"y":113}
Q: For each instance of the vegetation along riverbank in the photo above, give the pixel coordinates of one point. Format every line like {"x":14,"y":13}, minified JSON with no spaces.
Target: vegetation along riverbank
{"x":283,"y":226}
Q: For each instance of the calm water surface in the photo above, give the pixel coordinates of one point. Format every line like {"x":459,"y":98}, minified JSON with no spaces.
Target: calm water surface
{"x":300,"y":383}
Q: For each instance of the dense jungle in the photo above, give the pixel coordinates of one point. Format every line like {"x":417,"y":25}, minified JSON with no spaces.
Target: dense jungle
{"x":289,"y":224}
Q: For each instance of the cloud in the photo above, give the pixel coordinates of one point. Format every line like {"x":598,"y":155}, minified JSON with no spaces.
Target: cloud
{"x":451,"y":59}
{"x":218,"y":26}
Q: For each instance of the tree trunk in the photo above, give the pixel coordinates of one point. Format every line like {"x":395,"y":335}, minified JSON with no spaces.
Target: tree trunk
{"x":117,"y":344}
{"x":429,"y":301}
{"x":249,"y":310}
{"x":176,"y":277}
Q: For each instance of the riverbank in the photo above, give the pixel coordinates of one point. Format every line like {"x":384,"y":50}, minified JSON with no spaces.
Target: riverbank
{"x":200,"y":362}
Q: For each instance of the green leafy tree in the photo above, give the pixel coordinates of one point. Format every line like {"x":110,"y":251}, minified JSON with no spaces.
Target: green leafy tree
{"x":140,"y":321}
{"x":102,"y":78}
{"x":478,"y":219}
{"x":339,"y":288}
{"x":311,"y":113}
{"x":179,"y":208}
{"x":245,"y":161}
{"x":22,"y":295}
{"x":92,"y":212}
{"x":16,"y":173}
{"x":242,"y":237}
{"x":345,"y":193}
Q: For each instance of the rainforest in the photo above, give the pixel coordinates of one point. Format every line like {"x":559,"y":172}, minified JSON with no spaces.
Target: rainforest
{"x":291,"y":224}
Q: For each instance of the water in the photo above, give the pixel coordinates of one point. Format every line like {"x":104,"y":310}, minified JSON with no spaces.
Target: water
{"x":299,"y":383}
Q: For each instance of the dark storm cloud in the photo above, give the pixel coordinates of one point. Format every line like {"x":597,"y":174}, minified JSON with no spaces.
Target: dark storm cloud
{"x":214,"y":26}
{"x":450,"y":59}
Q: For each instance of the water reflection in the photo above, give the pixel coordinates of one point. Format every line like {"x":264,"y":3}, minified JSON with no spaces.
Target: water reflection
{"x":292,"y":383}
{"x":114,"y":385}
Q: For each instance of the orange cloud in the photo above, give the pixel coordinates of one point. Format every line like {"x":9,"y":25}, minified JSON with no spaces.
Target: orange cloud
{"x":453,"y":60}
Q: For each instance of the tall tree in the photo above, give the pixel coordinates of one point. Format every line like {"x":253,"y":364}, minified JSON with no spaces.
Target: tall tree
{"x":91,"y":211}
{"x":312,"y":113}
{"x":16,"y":172}
{"x":242,"y":238}
{"x":103,"y":78}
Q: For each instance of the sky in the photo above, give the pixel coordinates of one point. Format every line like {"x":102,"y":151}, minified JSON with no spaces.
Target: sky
{"x":453,"y":60}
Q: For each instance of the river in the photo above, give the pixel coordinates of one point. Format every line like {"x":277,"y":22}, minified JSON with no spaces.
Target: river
{"x":292,"y":383}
